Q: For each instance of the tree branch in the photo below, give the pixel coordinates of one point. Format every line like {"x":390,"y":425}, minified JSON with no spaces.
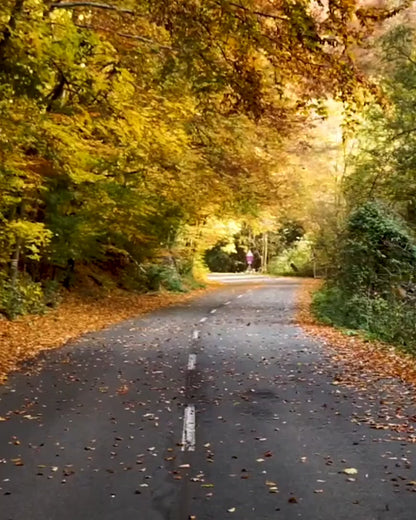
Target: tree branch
{"x":404,"y":132}
{"x":93,"y":5}
{"x":257,"y":13}
{"x":143,"y":39}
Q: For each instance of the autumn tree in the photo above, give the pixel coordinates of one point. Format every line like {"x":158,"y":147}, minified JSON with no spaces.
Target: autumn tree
{"x":125,"y":124}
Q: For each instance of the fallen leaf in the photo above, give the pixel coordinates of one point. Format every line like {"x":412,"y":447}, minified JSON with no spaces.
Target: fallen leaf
{"x":122,"y":390}
{"x":350,"y":471}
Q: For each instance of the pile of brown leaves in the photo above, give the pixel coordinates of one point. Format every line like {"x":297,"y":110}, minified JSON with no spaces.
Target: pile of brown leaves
{"x":360,"y":357}
{"x":25,"y":337}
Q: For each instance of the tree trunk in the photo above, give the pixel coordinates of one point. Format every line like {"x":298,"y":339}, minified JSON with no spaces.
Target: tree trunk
{"x":11,"y":25}
{"x":14,"y":267}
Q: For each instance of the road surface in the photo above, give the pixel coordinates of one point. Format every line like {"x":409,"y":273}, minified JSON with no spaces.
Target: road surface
{"x":215,"y":409}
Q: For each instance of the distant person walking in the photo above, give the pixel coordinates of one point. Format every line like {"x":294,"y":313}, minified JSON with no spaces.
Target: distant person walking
{"x":249,"y":260}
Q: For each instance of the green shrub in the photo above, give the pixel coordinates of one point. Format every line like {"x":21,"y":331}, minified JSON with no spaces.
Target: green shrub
{"x":154,"y":277}
{"x":296,"y":260}
{"x":390,"y":320}
{"x":377,"y":259}
{"x":26,"y":297}
{"x":377,"y":252}
{"x":134,"y":278}
{"x":51,"y":293}
{"x":163,"y":276}
{"x":220,"y":260}
{"x":170,"y":279}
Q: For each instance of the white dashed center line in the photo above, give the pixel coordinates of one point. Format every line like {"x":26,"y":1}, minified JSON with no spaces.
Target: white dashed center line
{"x":240,"y":295}
{"x":188,"y":434}
{"x":192,"y":362}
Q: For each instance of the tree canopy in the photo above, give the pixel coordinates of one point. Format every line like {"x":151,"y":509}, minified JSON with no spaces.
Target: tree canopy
{"x":127,"y":125}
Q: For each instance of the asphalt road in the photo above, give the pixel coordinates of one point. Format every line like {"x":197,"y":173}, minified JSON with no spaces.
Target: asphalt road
{"x":220,"y":408}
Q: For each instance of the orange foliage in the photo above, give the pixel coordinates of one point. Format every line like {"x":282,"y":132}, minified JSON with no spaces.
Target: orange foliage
{"x":24,"y":338}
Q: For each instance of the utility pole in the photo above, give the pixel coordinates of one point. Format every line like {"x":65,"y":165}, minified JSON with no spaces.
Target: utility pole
{"x":265,"y":252}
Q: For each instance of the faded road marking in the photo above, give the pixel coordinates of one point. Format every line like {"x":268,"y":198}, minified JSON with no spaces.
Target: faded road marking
{"x":188,"y":433}
{"x":192,"y":362}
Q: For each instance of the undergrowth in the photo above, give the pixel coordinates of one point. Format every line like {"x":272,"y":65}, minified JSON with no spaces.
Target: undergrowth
{"x":373,"y":289}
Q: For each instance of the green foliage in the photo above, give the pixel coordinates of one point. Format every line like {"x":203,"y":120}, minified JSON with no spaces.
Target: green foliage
{"x":23,"y":298}
{"x":154,"y":277}
{"x":229,"y":255}
{"x":377,"y":252}
{"x":372,"y":283}
{"x":384,"y":161}
{"x":163,"y":277}
{"x":295,"y":260}
{"x":219,"y":260}
{"x":290,"y":233}
{"x":377,"y":267}
{"x":51,"y":293}
{"x":390,"y":320}
{"x":28,"y":297}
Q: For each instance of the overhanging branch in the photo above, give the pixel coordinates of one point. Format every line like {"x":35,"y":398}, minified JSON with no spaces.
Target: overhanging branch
{"x":136,"y":37}
{"x":261,"y":14}
{"x":92,"y":5}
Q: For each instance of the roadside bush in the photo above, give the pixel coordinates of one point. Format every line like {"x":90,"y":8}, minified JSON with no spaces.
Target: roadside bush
{"x":152,"y":277}
{"x":135,"y":278}
{"x":51,"y":293}
{"x":180,"y":277}
{"x":377,"y":267}
{"x":163,"y":276}
{"x":220,"y":261}
{"x":377,"y":253}
{"x":391,"y":320}
{"x":294,"y":261}
{"x":26,"y":297}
